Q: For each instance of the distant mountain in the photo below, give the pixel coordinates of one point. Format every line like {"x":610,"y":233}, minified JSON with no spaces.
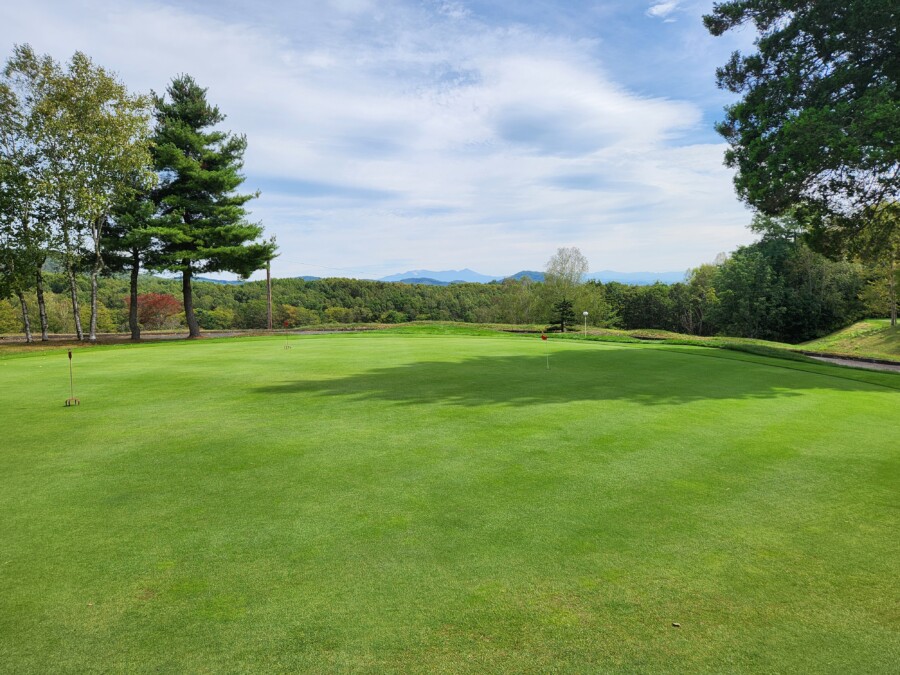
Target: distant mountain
{"x":534,"y":276}
{"x":218,"y":281}
{"x":237,"y":283}
{"x":446,"y":275}
{"x":426,"y":281}
{"x":637,"y":278}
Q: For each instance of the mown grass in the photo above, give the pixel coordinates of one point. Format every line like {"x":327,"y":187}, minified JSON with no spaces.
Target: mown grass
{"x":445,"y":503}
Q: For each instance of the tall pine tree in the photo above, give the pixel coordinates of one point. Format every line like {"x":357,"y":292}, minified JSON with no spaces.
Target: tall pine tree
{"x":199,"y":170}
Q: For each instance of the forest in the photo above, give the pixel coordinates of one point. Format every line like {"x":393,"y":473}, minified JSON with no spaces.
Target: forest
{"x":776,"y":289}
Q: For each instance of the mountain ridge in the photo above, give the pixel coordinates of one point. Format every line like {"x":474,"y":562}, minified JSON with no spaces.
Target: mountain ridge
{"x":467,"y":275}
{"x":447,"y":277}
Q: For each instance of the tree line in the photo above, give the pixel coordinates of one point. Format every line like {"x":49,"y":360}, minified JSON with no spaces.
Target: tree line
{"x":102,"y":181}
{"x":776,"y":289}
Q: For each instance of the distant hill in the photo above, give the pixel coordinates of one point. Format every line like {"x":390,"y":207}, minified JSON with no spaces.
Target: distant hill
{"x":637,"y":278}
{"x":534,"y":276}
{"x":446,"y":275}
{"x":470,"y":276}
{"x":605,"y":276}
{"x":218,"y":281}
{"x":237,"y":283}
{"x":426,"y":281}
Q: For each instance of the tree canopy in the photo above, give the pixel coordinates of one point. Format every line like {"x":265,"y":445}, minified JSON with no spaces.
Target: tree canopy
{"x":200,"y":173}
{"x":818,"y":124}
{"x":565,"y":272}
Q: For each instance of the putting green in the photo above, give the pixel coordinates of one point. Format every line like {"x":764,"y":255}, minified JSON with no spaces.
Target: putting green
{"x":437,"y":503}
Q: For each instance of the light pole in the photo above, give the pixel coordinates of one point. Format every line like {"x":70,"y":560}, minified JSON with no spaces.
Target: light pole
{"x":585,"y":314}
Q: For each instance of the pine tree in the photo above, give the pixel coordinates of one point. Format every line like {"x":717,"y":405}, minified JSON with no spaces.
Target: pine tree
{"x":818,"y":124}
{"x":563,"y":314}
{"x":199,"y":174}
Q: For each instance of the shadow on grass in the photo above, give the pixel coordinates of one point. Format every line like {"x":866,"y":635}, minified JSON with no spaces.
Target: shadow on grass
{"x":647,"y":377}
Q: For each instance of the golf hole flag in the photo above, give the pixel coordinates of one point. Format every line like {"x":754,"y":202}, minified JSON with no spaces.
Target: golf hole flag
{"x":544,"y":338}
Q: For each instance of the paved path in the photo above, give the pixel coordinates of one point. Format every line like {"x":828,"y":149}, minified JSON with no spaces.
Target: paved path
{"x":856,"y":363}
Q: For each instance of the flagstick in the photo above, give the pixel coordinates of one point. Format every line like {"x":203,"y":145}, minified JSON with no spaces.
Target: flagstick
{"x":71,"y":400}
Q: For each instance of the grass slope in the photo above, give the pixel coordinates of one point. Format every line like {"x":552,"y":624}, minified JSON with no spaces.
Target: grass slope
{"x":872,"y":338}
{"x":417,"y":503}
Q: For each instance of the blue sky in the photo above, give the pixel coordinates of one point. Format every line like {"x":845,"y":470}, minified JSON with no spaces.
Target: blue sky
{"x":406,"y":134}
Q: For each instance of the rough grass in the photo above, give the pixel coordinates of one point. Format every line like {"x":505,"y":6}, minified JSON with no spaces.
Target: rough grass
{"x":872,"y":338}
{"x":421,"y":503}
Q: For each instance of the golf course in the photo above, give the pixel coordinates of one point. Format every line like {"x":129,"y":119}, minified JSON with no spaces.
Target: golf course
{"x":446,"y":503}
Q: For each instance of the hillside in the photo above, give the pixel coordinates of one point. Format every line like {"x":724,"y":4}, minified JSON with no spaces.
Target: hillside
{"x":872,"y":338}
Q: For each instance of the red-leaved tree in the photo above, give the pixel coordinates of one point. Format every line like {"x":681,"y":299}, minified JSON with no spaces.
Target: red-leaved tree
{"x":154,"y":309}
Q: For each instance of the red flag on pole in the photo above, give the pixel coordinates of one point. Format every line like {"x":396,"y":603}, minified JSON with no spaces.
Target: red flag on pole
{"x":543,"y":337}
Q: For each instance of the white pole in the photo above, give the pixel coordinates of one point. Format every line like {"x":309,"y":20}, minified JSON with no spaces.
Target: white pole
{"x":585,"y":322}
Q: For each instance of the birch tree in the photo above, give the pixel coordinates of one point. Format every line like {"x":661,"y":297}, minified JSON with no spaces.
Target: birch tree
{"x":27,"y":237}
{"x":100,"y":137}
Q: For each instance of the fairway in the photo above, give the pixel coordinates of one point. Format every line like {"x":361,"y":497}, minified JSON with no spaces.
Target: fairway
{"x":426,"y":503}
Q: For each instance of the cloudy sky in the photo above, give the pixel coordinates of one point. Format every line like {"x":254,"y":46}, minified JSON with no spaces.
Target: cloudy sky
{"x":389,"y":135}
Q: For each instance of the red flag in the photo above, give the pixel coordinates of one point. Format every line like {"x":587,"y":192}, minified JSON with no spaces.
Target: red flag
{"x":543,"y":337}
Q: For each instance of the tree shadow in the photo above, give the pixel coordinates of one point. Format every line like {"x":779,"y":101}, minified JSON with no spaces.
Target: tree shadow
{"x":650,"y":378}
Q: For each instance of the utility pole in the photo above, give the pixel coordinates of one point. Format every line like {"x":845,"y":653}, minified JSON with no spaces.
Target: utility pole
{"x":268,"y":295}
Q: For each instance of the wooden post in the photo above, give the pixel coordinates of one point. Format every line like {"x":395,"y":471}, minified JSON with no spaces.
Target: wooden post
{"x":268,"y":295}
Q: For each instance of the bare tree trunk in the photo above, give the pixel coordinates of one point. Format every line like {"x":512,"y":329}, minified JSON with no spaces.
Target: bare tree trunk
{"x":25,"y":320}
{"x":42,"y":306}
{"x":892,"y":286}
{"x":70,"y":272}
{"x":73,"y":293}
{"x":93,"y":335}
{"x":187,"y":293}
{"x":96,"y":267}
{"x":73,"y":285}
{"x":133,"y":305}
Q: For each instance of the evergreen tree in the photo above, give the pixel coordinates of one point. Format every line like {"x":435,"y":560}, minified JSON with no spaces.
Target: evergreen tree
{"x":199,"y":171}
{"x":563,"y":314}
{"x":819,"y":120}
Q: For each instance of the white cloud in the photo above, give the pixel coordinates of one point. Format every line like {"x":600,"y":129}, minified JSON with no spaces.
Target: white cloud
{"x":454,"y":10}
{"x":663,"y":10}
{"x":385,"y":135}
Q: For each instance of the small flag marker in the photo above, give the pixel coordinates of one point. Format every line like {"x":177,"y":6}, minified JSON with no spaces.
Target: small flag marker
{"x":544,"y":338}
{"x":286,"y":325}
{"x":71,"y":400}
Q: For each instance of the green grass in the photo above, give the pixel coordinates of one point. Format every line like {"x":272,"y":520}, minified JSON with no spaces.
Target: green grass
{"x":444,"y":503}
{"x":872,"y":338}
